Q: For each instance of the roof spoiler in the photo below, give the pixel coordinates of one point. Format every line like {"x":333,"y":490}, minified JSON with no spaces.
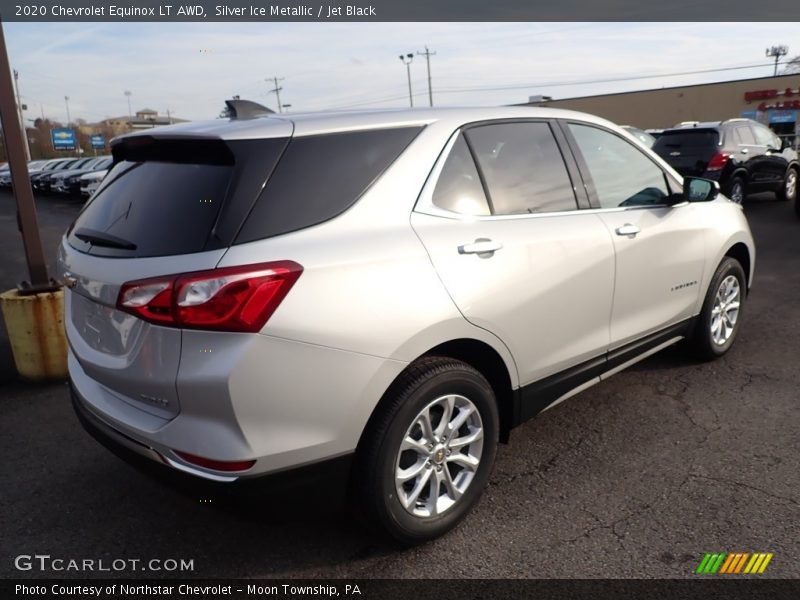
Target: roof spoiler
{"x":246,"y":109}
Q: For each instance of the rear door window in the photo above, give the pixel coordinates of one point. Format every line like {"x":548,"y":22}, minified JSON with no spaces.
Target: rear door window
{"x":744,"y":136}
{"x":522,"y":167}
{"x":321,"y":176}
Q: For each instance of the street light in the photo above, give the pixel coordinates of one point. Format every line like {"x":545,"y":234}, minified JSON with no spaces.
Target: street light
{"x":407,"y":62}
{"x":130,"y":114}
{"x":777,"y":52}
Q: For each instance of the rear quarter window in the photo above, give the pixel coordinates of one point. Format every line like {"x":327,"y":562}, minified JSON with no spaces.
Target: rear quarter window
{"x":321,"y":176}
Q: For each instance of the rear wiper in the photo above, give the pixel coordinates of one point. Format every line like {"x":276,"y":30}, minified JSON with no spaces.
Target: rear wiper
{"x":100,"y":238}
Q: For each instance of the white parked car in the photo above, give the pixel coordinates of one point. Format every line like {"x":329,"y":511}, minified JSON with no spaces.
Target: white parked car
{"x":91,"y":181}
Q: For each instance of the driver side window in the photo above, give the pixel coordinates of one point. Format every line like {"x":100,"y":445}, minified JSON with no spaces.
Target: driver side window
{"x":622,"y":174}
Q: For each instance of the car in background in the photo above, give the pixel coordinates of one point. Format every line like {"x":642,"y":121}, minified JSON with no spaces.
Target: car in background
{"x":742,"y":155}
{"x":91,"y":181}
{"x":641,"y":135}
{"x":44,"y":182}
{"x":34,"y":166}
{"x":47,"y":168}
{"x":68,"y":181}
{"x":386,"y":292}
{"x":5,"y":175}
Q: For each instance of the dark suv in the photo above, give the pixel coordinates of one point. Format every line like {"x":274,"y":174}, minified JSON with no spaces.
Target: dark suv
{"x":742,"y":155}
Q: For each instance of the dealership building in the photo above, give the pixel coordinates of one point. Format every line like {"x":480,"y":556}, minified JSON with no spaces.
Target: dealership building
{"x":774,"y":101}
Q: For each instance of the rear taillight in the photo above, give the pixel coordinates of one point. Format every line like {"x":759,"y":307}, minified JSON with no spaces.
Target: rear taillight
{"x":228,"y":299}
{"x":718,"y":161}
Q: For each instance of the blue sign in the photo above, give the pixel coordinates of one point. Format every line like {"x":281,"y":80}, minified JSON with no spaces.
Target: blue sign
{"x":750,"y":114}
{"x":782,"y":116}
{"x":98,"y":141}
{"x":63,"y":139}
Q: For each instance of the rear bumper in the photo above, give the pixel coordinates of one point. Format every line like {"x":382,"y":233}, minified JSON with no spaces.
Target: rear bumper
{"x":280,"y":403}
{"x":333,"y":473}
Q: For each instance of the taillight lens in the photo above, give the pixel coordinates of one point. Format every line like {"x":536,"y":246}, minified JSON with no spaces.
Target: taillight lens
{"x":718,"y":161}
{"x":228,"y":299}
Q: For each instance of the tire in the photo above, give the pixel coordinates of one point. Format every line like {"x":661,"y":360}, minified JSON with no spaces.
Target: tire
{"x":735,"y":190}
{"x":426,"y":387}
{"x":713,"y":334}
{"x":788,"y":190}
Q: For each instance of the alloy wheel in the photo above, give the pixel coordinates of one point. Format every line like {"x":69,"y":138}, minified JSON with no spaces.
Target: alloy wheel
{"x":737,"y":192}
{"x":725,"y":312}
{"x":439,"y":456}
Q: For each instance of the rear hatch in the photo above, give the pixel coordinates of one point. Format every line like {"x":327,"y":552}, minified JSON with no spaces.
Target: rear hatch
{"x":167,"y":206}
{"x":688,"y":151}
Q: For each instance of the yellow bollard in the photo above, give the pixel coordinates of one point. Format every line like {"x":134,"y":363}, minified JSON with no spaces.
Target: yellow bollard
{"x":35,"y":325}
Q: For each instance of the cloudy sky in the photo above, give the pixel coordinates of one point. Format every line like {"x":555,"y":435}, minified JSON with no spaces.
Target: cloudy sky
{"x":191,"y":68}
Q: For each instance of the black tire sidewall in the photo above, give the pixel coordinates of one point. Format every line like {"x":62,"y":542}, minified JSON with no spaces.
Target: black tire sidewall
{"x":404,"y":526}
{"x":729,"y":266}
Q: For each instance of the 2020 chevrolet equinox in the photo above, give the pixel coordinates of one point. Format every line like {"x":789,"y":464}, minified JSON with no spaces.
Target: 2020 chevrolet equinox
{"x":397,"y":288}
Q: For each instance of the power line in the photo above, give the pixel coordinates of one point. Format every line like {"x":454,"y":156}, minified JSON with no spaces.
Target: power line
{"x":606,"y":80}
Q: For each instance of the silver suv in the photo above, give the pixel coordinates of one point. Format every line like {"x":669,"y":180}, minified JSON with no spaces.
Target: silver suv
{"x":396,"y":290}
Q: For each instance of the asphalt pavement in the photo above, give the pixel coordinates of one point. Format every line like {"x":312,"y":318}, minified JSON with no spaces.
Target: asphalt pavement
{"x":638,"y":476}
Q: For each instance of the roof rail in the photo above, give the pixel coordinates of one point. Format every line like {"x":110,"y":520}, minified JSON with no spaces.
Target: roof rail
{"x":246,"y":109}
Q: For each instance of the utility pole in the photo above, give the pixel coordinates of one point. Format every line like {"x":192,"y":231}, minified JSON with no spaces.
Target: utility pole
{"x":20,"y":181}
{"x":777,"y":52}
{"x":22,"y":118}
{"x":427,"y":54}
{"x":276,"y":90}
{"x":407,"y":62}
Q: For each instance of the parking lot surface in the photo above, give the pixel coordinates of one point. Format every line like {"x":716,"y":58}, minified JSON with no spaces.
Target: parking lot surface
{"x":638,"y":476}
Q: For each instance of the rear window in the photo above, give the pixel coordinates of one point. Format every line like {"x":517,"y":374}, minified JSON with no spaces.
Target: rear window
{"x":687,"y":140}
{"x":174,"y":197}
{"x":161,"y":208}
{"x":321,"y":176}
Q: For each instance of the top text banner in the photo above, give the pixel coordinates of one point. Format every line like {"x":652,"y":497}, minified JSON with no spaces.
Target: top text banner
{"x":400,"y":10}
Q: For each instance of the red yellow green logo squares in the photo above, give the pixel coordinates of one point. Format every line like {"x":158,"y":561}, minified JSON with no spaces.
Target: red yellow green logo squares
{"x":734,"y":563}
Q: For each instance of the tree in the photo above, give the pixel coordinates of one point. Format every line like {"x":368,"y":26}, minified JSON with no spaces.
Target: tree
{"x":792,"y":66}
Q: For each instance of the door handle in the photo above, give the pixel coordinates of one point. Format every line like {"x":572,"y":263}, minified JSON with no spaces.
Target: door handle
{"x":480,"y":246}
{"x":628,"y":229}
{"x":745,"y":151}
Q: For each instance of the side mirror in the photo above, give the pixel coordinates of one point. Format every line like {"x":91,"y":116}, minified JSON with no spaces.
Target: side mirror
{"x":696,"y":189}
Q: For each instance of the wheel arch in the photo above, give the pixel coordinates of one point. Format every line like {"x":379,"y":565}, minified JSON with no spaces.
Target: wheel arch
{"x":491,"y":365}
{"x":741,"y":253}
{"x":481,"y":356}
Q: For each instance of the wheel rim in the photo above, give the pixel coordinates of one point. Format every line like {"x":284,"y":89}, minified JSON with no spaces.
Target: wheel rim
{"x":725,"y":313}
{"x":791,"y":185}
{"x":737,"y":193}
{"x":439,"y":456}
